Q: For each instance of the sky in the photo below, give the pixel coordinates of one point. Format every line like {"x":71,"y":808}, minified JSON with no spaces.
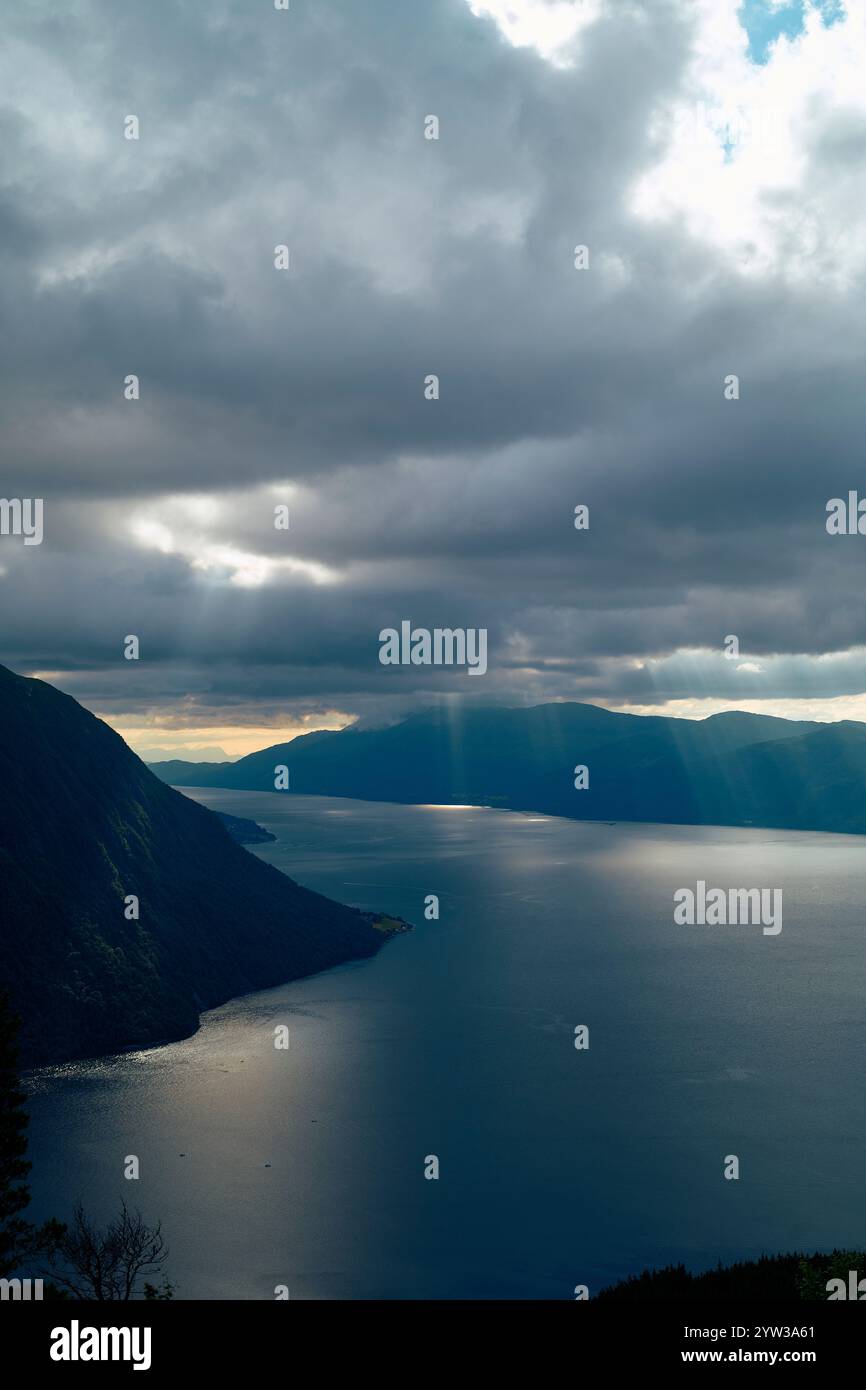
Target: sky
{"x":712,"y":158}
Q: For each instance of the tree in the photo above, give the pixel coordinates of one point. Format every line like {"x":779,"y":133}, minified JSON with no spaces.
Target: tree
{"x":89,"y":1263}
{"x":14,"y":1168}
{"x":19,"y":1240}
{"x":83,"y":1262}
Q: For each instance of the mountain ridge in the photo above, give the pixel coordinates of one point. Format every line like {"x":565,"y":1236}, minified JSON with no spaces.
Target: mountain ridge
{"x":732,"y":768}
{"x":84,"y":826}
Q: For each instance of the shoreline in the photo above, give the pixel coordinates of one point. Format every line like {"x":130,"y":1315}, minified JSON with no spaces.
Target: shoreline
{"x":526,"y":811}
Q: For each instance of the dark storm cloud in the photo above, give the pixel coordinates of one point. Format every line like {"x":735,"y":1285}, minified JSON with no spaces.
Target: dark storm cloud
{"x":408,"y":257}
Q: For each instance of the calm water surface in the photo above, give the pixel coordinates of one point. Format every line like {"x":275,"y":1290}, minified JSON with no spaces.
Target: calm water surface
{"x":557,"y":1167}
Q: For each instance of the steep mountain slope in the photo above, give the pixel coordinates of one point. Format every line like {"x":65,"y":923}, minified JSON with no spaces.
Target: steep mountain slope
{"x":83,"y":824}
{"x":730,"y":769}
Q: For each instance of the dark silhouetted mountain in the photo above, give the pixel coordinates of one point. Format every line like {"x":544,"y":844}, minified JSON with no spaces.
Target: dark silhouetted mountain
{"x":730,"y":769}
{"x":84,"y":824}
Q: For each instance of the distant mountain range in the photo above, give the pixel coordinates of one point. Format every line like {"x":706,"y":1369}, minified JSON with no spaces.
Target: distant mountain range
{"x":730,"y":769}
{"x":83,"y":826}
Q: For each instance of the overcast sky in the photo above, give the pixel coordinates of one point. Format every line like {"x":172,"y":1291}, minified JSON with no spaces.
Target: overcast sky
{"x":711,"y":156}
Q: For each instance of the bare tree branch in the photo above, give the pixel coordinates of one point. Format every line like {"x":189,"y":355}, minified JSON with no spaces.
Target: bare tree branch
{"x":107,"y":1264}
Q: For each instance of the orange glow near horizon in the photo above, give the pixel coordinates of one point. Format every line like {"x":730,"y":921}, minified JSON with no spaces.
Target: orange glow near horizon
{"x":235,"y":740}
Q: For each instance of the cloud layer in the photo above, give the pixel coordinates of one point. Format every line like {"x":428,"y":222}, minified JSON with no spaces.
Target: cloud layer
{"x":722,"y":203}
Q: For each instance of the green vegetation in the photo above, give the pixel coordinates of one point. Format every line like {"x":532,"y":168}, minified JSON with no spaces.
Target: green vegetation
{"x":389,"y":924}
{"x":19,"y":1240}
{"x":782,"y":1278}
{"x":245,"y":832}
